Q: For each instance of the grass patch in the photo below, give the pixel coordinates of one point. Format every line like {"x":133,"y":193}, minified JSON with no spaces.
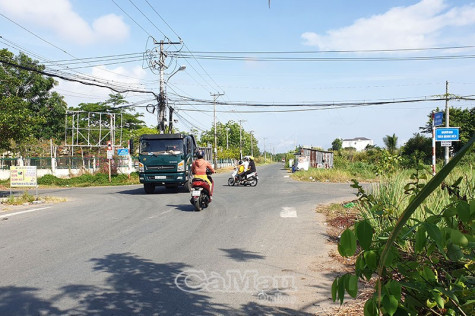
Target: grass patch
{"x":27,"y":198}
{"x":19,"y":200}
{"x":335,"y":175}
{"x":84,"y":180}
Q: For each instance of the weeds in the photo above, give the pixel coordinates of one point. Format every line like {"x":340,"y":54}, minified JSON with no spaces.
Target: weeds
{"x":423,"y":250}
{"x":19,"y":200}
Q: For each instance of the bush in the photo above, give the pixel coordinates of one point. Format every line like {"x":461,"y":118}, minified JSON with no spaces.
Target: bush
{"x":424,"y":254}
{"x":51,"y":180}
{"x":88,"y":179}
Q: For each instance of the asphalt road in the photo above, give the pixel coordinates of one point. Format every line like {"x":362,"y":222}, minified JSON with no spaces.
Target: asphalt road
{"x":119,"y":251}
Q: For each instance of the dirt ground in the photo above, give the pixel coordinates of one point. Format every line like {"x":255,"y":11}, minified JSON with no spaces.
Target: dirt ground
{"x":338,"y":218}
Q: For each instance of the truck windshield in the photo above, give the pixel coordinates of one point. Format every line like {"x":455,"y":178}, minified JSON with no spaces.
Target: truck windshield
{"x":160,"y":146}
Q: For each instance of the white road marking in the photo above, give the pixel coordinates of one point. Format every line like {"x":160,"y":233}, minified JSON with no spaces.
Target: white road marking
{"x":23,"y":212}
{"x":288,"y":212}
{"x":286,"y":176}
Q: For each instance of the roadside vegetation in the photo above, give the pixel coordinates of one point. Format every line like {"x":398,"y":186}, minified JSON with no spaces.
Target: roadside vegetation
{"x":84,"y":180}
{"x":27,"y":198}
{"x":409,"y":237}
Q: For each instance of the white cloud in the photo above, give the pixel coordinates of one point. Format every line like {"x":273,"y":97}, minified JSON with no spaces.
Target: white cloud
{"x":59,"y":16}
{"x":111,"y":27}
{"x":414,"y":26}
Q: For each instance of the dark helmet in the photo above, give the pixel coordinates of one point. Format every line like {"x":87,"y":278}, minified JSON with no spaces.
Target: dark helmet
{"x":200,"y":154}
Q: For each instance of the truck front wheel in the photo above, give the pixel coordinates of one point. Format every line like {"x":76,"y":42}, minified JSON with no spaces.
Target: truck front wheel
{"x":149,"y":188}
{"x":187,"y":185}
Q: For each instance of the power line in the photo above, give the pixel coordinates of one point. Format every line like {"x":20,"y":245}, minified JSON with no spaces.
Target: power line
{"x":189,"y":51}
{"x":312,"y":104}
{"x":130,"y":17}
{"x":321,"y":59}
{"x":93,"y":83}
{"x":338,"y":51}
{"x":149,"y":20}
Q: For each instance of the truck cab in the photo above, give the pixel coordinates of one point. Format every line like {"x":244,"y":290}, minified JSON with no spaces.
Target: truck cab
{"x":165,"y":160}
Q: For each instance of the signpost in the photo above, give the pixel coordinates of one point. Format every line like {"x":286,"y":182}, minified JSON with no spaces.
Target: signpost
{"x":23,"y":177}
{"x":123,"y":152}
{"x":447,"y":134}
{"x":110,"y":155}
{"x":444,"y":135}
{"x":438,"y":118}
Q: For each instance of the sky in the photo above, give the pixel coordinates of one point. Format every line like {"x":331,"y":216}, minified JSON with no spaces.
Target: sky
{"x":335,"y":57}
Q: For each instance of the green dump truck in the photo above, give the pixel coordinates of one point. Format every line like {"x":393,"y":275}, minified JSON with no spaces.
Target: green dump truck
{"x":165,"y":160}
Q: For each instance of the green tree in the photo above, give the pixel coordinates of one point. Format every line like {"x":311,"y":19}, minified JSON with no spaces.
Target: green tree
{"x":39,"y":112}
{"x":337,"y":144}
{"x":230,"y":139}
{"x":391,"y":143}
{"x":418,"y":147}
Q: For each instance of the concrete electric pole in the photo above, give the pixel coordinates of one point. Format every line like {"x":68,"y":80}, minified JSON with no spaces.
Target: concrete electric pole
{"x":240,"y":138}
{"x":162,"y":99}
{"x":252,"y":150}
{"x":447,"y":149}
{"x":215,"y":156}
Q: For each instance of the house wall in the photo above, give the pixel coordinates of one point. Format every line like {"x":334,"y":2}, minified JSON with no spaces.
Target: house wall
{"x":360,"y":145}
{"x":318,"y":158}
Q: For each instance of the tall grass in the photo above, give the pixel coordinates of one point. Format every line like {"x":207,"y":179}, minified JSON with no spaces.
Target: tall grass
{"x":389,"y":192}
{"x":340,"y":173}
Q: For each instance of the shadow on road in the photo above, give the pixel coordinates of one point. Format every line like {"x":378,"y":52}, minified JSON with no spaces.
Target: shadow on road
{"x":158,"y":190}
{"x":136,"y":286}
{"x":183,"y":207}
{"x":242,"y":255}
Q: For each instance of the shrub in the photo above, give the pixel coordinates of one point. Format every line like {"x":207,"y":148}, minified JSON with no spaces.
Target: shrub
{"x":426,"y":263}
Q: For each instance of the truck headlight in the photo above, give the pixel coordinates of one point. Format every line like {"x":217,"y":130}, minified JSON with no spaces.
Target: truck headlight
{"x":141,"y":167}
{"x":181,"y":166}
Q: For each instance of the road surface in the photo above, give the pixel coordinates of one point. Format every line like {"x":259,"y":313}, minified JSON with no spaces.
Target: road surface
{"x":119,"y":251}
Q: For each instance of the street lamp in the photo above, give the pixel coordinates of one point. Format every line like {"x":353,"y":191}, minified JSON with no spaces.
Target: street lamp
{"x":170,"y":123}
{"x":182,"y":67}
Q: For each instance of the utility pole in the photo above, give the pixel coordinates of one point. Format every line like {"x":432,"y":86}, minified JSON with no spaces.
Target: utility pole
{"x":215,"y":160}
{"x":240,"y":138}
{"x":170,"y":120}
{"x":252,"y":151}
{"x":447,"y":149}
{"x":162,"y":97}
{"x":265,"y":158}
{"x":227,"y":138}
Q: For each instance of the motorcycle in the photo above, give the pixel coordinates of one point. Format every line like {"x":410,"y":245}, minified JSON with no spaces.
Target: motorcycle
{"x":251,"y":179}
{"x":201,"y":192}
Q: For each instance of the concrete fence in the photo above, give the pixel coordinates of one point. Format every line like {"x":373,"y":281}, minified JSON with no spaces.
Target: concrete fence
{"x":67,"y":167}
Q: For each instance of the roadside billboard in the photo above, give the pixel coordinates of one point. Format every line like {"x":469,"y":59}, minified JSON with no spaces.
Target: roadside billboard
{"x":23,"y":176}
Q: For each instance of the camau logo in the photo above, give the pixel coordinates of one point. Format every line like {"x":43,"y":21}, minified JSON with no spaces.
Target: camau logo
{"x":232,"y":281}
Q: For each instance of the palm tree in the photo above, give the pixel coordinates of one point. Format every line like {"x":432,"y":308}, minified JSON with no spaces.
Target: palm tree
{"x":391,"y":143}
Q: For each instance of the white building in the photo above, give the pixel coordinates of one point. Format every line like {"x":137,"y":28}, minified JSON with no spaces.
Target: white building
{"x":359,"y":143}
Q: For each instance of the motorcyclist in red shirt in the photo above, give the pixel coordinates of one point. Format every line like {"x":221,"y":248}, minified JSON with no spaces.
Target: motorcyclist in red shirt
{"x":199,"y":166}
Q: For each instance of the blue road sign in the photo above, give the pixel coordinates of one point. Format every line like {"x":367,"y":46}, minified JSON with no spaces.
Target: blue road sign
{"x":122,"y":151}
{"x":438,"y":118}
{"x":447,"y":134}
